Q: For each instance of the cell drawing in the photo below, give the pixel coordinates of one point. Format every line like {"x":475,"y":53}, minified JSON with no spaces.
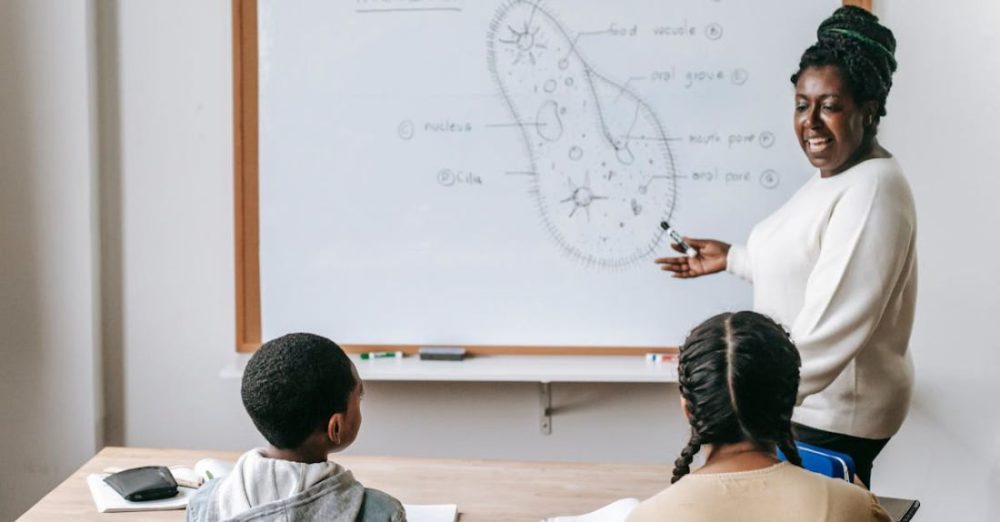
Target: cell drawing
{"x":602,"y":172}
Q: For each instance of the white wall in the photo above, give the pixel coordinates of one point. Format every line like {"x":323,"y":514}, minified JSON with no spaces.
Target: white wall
{"x":48,"y":255}
{"x":166,"y":231}
{"x":941,"y":123}
{"x":169,"y":224}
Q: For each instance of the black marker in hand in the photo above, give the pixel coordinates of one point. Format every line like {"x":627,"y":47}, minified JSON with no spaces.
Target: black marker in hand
{"x":688,"y":249}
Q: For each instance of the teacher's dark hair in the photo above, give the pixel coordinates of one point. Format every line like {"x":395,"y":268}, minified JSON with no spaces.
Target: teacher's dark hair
{"x":739,"y":374}
{"x":862,"y":49}
{"x":294,"y":384}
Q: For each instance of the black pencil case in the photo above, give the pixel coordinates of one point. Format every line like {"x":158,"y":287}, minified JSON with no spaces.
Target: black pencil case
{"x":145,"y":483}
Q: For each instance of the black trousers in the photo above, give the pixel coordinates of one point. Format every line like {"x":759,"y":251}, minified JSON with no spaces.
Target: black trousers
{"x":863,"y":451}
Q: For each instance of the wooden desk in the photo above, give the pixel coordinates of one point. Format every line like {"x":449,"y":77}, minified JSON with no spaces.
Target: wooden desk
{"x":493,"y":491}
{"x":485,"y":490}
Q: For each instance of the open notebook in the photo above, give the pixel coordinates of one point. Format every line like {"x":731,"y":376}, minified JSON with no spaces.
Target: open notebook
{"x":901,"y":510}
{"x":108,"y":500}
{"x":616,"y":511}
{"x":431,"y":512}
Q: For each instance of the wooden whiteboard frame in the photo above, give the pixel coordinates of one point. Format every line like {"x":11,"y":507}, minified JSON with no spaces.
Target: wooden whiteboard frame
{"x":247,"y":210}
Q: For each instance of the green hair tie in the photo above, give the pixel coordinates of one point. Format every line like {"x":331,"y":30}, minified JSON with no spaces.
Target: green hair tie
{"x":864,"y":39}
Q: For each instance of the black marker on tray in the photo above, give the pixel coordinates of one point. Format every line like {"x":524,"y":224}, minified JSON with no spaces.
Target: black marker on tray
{"x":688,"y":249}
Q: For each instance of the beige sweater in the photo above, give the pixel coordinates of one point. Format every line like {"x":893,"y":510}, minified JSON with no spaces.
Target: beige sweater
{"x":837,"y":266}
{"x":780,"y":493}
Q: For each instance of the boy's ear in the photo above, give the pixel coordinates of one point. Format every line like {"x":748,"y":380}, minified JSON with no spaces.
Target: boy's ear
{"x":335,"y":428}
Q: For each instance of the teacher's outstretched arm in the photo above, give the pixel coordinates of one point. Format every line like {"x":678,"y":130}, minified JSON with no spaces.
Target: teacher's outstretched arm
{"x":711,"y":258}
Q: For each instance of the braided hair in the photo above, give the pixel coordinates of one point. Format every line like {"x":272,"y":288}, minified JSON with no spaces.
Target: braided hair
{"x":862,"y":49}
{"x":739,"y":374}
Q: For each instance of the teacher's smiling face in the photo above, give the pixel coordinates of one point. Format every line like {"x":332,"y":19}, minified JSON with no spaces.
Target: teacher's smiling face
{"x":829,"y":124}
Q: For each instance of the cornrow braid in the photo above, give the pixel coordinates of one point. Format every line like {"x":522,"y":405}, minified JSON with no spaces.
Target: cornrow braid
{"x":682,"y":466}
{"x":853,"y":40}
{"x":739,"y":376}
{"x":702,"y":372}
{"x":791,"y":451}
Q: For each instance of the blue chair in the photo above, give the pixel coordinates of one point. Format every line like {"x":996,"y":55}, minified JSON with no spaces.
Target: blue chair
{"x":841,"y":465}
{"x":825,"y":462}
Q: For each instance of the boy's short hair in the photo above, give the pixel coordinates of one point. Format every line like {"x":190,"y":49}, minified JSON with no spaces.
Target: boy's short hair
{"x":294,"y":384}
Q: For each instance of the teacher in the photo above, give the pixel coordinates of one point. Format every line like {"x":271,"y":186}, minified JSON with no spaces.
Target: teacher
{"x":837,"y":264}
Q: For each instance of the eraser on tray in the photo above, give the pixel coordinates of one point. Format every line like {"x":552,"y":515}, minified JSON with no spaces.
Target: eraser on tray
{"x":441,"y":353}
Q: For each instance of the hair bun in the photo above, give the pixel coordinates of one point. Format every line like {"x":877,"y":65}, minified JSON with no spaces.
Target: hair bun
{"x":853,"y":40}
{"x":861,"y":26}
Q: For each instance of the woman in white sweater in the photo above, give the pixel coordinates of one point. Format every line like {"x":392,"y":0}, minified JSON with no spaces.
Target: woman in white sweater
{"x":836,"y":264}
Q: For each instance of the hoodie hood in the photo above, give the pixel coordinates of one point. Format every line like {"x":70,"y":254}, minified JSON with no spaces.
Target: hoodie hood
{"x":261,"y":488}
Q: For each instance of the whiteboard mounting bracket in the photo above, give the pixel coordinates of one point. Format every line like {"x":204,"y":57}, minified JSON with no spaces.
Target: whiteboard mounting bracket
{"x":545,"y":407}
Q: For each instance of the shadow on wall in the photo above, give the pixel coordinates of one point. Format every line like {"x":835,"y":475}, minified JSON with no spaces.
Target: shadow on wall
{"x":22,"y":342}
{"x":112,"y":309}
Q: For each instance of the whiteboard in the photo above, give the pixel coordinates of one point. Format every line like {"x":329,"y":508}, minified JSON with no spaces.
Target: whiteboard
{"x":494,"y":172}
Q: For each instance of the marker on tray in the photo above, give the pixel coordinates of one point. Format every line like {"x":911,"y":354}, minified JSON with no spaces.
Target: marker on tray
{"x":688,"y":249}
{"x":381,"y":355}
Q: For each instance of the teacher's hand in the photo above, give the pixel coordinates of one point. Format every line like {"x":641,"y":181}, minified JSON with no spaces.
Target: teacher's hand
{"x":711,"y":258}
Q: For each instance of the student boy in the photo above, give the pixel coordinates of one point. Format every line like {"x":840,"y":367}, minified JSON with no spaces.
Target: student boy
{"x":304,"y":395}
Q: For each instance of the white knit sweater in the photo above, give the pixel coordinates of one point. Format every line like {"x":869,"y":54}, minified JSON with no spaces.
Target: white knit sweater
{"x":837,"y":266}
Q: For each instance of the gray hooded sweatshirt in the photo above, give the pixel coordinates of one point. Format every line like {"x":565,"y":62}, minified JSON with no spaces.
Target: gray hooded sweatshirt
{"x":264,"y":489}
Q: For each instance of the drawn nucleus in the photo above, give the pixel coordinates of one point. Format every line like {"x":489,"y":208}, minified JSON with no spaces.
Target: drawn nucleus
{"x":602,"y":171}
